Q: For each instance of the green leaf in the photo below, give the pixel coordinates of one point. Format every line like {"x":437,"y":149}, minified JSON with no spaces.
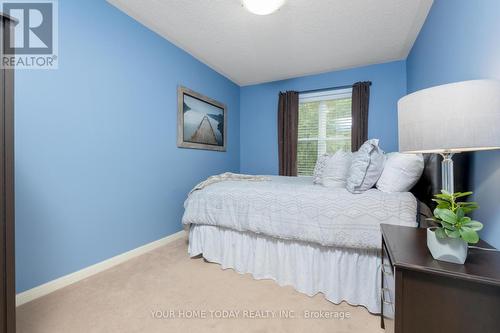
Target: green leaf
{"x":460,"y":213}
{"x":468,"y":210}
{"x":452,"y":233}
{"x":445,"y":215}
{"x":447,"y":225}
{"x":474,"y":225}
{"x":461,"y":194}
{"x":445,"y":197}
{"x":441,"y":202}
{"x":467,"y":203}
{"x":469,"y":235}
{"x":465,"y":220}
{"x":440,"y":233}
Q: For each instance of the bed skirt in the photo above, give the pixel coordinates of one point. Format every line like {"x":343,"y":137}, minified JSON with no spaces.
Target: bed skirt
{"x":341,"y":274}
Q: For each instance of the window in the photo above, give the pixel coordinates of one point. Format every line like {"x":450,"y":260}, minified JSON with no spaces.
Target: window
{"x":324,"y":126}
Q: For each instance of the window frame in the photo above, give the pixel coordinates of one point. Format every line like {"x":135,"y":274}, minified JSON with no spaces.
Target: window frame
{"x":330,"y":94}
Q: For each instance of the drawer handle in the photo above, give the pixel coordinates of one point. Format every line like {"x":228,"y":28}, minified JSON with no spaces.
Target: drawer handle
{"x":383,"y":296}
{"x":383,"y":267}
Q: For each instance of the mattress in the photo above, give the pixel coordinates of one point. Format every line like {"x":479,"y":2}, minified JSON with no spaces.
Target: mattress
{"x":293,"y":208}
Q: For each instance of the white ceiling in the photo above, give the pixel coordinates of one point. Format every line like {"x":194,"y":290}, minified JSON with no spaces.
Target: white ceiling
{"x":303,"y":37}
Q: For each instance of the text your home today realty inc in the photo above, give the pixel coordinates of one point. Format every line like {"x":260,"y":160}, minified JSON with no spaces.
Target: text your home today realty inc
{"x":249,"y":314}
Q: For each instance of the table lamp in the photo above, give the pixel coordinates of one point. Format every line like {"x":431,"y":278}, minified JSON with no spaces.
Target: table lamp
{"x":449,"y":119}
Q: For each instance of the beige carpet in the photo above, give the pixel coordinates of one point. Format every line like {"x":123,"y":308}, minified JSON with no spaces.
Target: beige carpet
{"x":175,"y":287}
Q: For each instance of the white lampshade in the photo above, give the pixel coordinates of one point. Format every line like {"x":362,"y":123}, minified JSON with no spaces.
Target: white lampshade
{"x":456,"y":117}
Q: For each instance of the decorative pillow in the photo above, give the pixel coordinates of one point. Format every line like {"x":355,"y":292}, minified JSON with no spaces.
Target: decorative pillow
{"x":366,"y":167}
{"x":320,"y":167}
{"x":401,"y":172}
{"x":336,"y":169}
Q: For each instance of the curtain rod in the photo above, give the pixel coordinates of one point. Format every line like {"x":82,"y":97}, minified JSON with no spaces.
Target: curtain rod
{"x":329,"y":88}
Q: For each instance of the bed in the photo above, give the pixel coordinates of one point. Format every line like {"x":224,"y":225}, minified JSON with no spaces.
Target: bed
{"x":316,"y":239}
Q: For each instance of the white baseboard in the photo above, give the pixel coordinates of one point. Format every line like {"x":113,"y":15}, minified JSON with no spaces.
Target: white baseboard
{"x":63,"y":281}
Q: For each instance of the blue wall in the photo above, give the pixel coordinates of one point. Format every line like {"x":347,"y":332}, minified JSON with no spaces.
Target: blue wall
{"x":97,"y":168}
{"x":460,"y":41}
{"x":259,"y":103}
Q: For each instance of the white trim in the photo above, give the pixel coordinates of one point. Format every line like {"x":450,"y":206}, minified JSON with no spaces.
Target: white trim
{"x":64,"y":281}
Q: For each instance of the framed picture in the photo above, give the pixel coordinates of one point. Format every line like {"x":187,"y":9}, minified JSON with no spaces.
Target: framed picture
{"x":201,"y":121}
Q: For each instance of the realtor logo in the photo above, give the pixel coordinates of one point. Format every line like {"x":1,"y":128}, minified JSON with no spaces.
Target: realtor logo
{"x":32,"y":42}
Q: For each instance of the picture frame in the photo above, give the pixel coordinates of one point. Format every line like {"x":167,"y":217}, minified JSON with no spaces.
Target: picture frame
{"x":201,"y":121}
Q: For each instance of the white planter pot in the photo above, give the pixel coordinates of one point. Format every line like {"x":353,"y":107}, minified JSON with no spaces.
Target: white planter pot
{"x":446,"y":249}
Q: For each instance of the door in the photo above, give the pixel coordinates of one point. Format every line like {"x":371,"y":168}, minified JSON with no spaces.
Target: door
{"x":7,"y":274}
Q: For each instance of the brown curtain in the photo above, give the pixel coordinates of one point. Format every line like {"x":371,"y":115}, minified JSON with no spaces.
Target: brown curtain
{"x":360,"y":101}
{"x":288,"y":124}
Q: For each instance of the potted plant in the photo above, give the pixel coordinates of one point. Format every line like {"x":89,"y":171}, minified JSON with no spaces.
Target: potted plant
{"x":449,"y":240}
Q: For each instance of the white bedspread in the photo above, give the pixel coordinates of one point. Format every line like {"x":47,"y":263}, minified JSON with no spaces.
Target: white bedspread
{"x":294,"y":208}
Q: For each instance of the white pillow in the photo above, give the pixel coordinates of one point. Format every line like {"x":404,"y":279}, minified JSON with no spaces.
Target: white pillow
{"x":320,"y":167}
{"x":336,"y":169}
{"x":401,"y":172}
{"x":366,"y":167}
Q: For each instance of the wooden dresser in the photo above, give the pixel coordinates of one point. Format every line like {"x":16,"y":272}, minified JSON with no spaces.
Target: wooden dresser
{"x":420,"y":294}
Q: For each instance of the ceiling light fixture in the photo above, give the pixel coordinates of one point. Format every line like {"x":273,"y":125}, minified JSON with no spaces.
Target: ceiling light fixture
{"x":262,"y":7}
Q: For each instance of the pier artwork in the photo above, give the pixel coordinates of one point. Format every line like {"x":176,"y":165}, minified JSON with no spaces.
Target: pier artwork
{"x":204,"y":133}
{"x":201,"y":121}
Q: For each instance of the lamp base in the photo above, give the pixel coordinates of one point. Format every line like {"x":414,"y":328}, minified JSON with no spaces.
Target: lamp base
{"x":447,"y":172}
